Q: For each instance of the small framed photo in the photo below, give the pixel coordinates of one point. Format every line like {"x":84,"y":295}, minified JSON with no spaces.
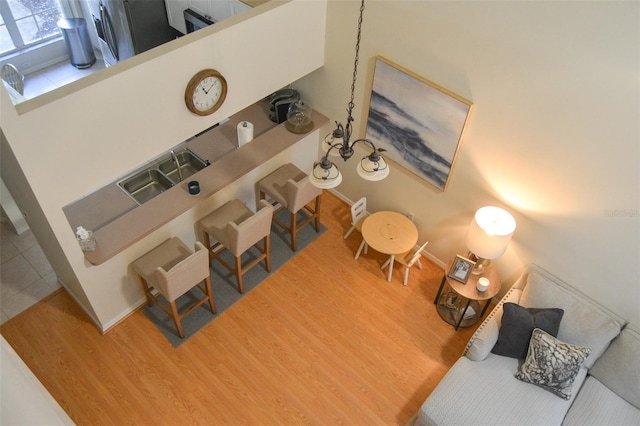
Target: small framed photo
{"x":461,"y":269}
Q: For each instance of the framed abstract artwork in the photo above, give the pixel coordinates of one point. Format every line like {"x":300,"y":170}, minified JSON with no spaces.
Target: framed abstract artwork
{"x":417,"y":122}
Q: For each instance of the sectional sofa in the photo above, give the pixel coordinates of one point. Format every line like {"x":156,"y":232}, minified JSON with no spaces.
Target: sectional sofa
{"x":580,"y":363}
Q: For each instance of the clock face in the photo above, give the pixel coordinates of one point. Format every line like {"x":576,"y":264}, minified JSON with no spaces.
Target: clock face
{"x":205,"y":92}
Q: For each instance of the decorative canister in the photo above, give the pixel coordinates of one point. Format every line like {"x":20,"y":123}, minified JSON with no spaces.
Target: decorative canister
{"x":299,"y":117}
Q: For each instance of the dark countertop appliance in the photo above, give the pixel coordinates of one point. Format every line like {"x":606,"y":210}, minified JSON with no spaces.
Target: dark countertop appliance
{"x":280,"y":102}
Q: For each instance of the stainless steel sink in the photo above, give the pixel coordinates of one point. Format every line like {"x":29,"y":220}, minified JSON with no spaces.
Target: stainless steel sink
{"x":155,"y":178}
{"x":145,"y":185}
{"x":189,"y":165}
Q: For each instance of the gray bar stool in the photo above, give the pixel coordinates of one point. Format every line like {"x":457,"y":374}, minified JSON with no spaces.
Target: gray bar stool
{"x":290,"y":187}
{"x":173,"y":269}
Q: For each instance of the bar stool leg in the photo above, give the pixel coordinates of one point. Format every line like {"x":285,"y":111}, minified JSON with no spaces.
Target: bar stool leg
{"x":318,"y":202}
{"x":267,"y":250}
{"x":212,"y":302}
{"x":239,"y":274}
{"x":176,"y":319}
{"x":207,"y":244}
{"x":294,"y":231}
{"x":145,"y":288}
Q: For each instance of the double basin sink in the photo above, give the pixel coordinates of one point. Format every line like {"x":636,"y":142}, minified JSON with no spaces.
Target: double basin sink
{"x":158,"y":176}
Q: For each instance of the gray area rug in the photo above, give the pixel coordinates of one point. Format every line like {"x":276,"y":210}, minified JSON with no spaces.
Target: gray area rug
{"x":223,"y":282}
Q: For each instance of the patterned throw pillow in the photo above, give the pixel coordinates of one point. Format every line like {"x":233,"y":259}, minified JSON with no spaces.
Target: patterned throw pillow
{"x":551,"y":364}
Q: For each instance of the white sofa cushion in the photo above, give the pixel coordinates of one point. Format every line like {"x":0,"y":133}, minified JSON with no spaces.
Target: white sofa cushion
{"x":598,"y":405}
{"x":487,"y":393}
{"x":619,"y":367}
{"x":585,"y":323}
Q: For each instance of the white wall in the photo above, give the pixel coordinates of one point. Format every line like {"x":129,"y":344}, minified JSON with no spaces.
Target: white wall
{"x":24,"y":400}
{"x":553,"y":137}
{"x":73,"y":145}
{"x":11,"y":210}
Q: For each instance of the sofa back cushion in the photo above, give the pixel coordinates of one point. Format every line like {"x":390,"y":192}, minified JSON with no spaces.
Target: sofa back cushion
{"x":584,"y":323}
{"x":619,"y":367}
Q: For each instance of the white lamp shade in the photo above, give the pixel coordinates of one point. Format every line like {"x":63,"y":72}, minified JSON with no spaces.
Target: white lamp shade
{"x":379,"y":174}
{"x":333,"y":177}
{"x":490,"y":232}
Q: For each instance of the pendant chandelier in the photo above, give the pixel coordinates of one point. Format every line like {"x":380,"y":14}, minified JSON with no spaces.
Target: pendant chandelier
{"x":371,"y":167}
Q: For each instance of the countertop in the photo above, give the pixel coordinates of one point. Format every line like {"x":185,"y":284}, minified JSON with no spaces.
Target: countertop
{"x":118,"y":222}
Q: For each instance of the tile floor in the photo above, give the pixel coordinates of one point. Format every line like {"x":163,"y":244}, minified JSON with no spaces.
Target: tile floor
{"x":55,"y":76}
{"x":25,"y":274}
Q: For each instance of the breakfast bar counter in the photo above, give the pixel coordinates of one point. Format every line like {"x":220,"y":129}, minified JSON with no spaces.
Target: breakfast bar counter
{"x":125,"y":222}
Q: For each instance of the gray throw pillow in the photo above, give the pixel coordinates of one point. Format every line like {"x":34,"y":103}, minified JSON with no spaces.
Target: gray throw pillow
{"x":551,"y":364}
{"x":517,"y":326}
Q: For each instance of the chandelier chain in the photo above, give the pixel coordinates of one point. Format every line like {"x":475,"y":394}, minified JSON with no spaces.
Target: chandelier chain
{"x":355,"y":75}
{"x":371,"y":167}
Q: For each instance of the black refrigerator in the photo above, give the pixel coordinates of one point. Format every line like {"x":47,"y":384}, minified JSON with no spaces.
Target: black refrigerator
{"x":129,"y":27}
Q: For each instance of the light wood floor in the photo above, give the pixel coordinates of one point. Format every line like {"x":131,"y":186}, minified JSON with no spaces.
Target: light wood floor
{"x":324,"y":340}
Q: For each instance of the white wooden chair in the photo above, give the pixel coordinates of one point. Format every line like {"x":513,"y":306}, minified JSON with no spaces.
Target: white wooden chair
{"x":358,"y":213}
{"x":409,"y":259}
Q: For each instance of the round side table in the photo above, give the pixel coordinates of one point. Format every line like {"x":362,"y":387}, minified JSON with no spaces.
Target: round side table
{"x":450,"y":300}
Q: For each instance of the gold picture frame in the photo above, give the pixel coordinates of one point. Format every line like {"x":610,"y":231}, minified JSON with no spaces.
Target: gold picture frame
{"x":418,"y":123}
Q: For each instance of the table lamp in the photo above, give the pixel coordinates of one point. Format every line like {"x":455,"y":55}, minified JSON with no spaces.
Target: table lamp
{"x":488,"y":236}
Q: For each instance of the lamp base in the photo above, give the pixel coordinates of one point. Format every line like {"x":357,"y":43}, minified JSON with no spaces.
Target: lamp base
{"x":481,"y":264}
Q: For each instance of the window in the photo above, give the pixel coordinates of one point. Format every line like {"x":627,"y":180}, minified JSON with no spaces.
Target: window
{"x":25,"y":23}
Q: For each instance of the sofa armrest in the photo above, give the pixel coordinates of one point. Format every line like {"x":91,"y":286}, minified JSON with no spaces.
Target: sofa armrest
{"x":486,"y":336}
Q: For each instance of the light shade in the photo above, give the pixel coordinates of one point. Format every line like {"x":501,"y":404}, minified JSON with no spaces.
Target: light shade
{"x":490,"y":232}
{"x":372,"y":170}
{"x":325,"y":178}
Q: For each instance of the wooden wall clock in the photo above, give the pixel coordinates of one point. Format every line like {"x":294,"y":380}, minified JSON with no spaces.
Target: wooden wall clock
{"x":205,"y":92}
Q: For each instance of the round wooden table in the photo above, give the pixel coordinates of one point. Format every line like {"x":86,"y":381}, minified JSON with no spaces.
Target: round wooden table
{"x":390,"y":233}
{"x":452,"y":312}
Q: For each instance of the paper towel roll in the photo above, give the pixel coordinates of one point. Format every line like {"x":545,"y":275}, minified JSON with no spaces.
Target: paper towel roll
{"x":245,"y":132}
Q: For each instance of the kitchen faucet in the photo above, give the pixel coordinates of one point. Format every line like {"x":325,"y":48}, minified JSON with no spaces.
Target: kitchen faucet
{"x":175,"y":158}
